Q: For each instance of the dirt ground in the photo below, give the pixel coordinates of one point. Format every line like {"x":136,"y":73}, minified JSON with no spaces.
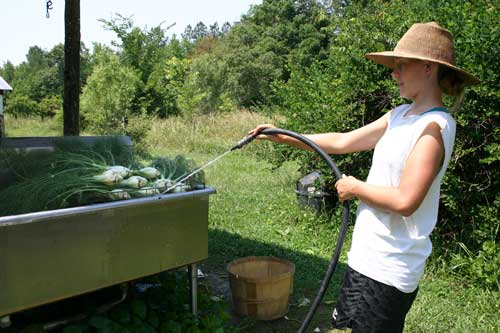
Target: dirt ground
{"x":218,"y":283}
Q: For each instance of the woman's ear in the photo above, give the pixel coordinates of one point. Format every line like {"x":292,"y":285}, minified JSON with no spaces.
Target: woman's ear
{"x":430,"y":68}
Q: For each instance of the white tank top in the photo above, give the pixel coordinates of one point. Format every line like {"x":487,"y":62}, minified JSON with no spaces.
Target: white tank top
{"x":386,"y":246}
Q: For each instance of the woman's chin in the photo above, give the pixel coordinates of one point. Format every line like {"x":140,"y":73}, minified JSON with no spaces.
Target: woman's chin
{"x":403,"y":94}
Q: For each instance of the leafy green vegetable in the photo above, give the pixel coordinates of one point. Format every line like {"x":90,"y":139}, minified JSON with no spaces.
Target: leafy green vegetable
{"x":78,"y":174}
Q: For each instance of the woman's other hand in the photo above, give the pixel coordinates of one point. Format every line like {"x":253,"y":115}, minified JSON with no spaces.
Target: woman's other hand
{"x":346,"y":187}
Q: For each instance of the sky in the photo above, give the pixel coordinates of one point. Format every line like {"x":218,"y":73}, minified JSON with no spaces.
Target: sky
{"x":23,"y":22}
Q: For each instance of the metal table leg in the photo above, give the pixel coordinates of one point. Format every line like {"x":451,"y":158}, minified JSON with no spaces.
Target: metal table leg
{"x":193,"y":290}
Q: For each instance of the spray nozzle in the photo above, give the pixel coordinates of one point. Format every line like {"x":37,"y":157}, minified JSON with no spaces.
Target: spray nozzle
{"x":246,"y":140}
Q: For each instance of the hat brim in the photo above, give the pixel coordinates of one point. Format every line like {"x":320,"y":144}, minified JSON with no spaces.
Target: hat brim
{"x":387,"y":59}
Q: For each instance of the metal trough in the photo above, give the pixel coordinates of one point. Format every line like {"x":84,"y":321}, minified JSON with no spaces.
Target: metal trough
{"x":52,"y":255}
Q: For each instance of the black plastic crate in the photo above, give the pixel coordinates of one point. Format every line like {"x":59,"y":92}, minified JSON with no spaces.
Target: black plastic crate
{"x":311,"y":194}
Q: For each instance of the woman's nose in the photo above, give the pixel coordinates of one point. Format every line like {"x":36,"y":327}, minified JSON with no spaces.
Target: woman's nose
{"x":395,"y":73}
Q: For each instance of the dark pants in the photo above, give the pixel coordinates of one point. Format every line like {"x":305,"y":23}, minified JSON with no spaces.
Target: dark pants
{"x":365,"y":305}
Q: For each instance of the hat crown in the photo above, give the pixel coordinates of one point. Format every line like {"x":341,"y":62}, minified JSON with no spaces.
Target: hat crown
{"x":429,"y":41}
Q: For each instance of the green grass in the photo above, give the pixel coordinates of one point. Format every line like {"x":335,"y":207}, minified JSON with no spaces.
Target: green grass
{"x":254,"y":212}
{"x":32,"y":126}
{"x":444,"y":304}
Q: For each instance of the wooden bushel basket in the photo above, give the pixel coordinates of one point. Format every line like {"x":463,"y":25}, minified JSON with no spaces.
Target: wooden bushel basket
{"x":261,"y":286}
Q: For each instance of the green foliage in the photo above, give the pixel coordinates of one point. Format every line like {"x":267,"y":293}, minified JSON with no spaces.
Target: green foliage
{"x":107,"y":99}
{"x":136,"y":127}
{"x":160,"y":309}
{"x":21,"y":105}
{"x":159,"y":63}
{"x":140,"y":48}
{"x":251,"y":70}
{"x":480,"y":267}
{"x":270,"y":37}
{"x":204,"y":90}
{"x":50,"y":106}
{"x":7,"y":71}
{"x":42,"y":74}
{"x":239,"y":68}
{"x":38,"y":82}
{"x":165,"y":84}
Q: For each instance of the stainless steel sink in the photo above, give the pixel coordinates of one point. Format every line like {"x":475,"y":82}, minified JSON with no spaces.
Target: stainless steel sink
{"x":52,"y":255}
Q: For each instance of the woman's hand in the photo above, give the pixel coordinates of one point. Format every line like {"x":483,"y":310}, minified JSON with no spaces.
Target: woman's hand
{"x":275,"y":137}
{"x":346,"y":187}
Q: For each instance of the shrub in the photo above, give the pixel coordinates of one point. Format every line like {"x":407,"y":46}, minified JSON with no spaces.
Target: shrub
{"x":204,"y":89}
{"x":107,"y":99}
{"x":50,"y":106}
{"x":480,"y":267}
{"x":21,"y":105}
{"x":164,"y":86}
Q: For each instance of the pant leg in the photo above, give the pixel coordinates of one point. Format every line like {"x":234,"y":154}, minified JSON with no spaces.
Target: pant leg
{"x":369,"y":306}
{"x":348,"y":299}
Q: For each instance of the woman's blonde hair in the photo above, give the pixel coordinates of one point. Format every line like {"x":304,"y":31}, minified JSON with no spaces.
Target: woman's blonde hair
{"x":453,"y":84}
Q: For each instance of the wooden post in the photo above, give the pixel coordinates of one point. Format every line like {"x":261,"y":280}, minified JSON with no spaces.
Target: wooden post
{"x":2,"y":126}
{"x":71,"y":103}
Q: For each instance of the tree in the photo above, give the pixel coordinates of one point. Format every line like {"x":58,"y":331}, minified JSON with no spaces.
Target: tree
{"x":165,"y":84}
{"x":141,"y":49}
{"x":188,"y":33}
{"x":37,"y":83}
{"x":107,"y":99}
{"x":205,"y":89}
{"x":225,"y":28}
{"x":8,"y":71}
{"x":214,"y":30}
{"x":21,"y":105}
{"x":50,"y":106}
{"x":152,"y":55}
{"x":200,"y":31}
{"x":263,"y":47}
{"x":36,"y":57}
{"x":55,"y":59}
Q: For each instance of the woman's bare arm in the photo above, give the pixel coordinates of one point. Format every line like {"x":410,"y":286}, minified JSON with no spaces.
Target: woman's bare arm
{"x":361,"y":139}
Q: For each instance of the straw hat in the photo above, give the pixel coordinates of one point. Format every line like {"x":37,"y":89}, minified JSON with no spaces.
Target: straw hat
{"x":424,"y":41}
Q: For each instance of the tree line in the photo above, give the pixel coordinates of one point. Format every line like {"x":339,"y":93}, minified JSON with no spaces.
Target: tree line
{"x":304,"y":60}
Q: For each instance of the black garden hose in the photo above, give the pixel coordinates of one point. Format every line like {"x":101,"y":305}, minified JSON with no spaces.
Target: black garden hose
{"x":343,"y":226}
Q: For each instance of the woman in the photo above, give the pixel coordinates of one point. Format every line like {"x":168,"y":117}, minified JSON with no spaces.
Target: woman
{"x":399,"y":200}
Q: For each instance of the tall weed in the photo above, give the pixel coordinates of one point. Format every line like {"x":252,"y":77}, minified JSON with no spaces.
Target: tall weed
{"x":212,"y":134}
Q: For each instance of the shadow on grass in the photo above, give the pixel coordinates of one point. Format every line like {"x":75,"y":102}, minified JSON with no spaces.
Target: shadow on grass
{"x":225,"y":247}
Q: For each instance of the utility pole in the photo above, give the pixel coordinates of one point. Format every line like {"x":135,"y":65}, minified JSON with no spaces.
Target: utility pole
{"x":71,"y":102}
